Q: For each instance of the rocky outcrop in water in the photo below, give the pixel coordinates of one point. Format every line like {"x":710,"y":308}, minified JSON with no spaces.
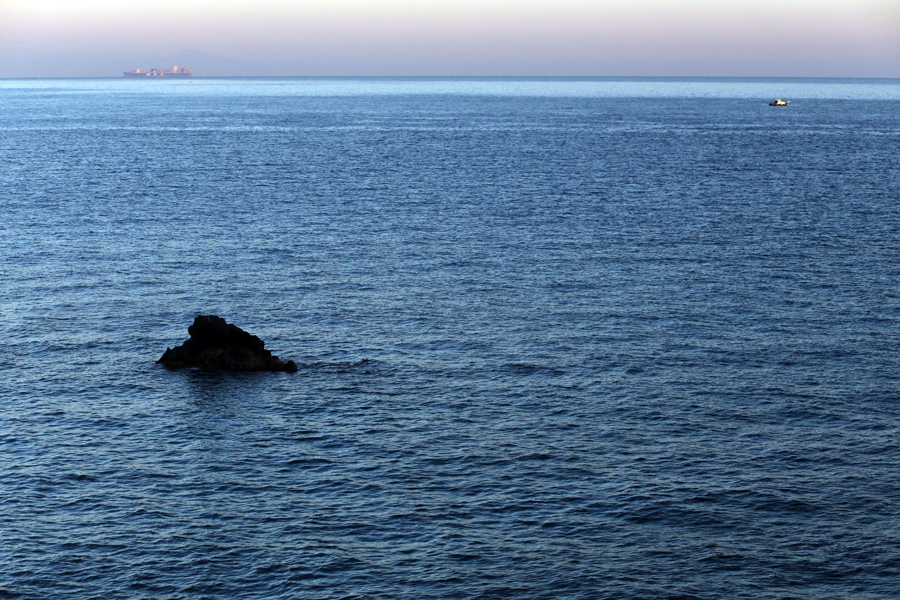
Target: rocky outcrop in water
{"x":215,"y":344}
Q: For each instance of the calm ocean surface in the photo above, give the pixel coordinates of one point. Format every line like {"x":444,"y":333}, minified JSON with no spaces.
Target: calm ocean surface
{"x":558,"y":339}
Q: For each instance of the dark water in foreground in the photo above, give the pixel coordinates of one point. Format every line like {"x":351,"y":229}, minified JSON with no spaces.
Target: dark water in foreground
{"x":590,"y":339}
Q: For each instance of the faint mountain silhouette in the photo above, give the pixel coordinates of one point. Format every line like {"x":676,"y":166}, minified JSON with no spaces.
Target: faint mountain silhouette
{"x":25,"y":64}
{"x":210,"y":65}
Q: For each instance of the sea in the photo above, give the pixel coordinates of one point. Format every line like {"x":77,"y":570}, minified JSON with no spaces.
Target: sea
{"x":557,"y":338}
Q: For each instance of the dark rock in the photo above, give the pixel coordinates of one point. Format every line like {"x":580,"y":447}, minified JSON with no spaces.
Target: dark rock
{"x":215,"y":344}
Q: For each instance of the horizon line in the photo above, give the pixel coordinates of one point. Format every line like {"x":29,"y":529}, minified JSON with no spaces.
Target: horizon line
{"x":484,"y":77}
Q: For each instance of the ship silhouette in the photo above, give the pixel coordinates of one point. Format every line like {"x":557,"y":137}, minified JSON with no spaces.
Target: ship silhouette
{"x":175,"y":71}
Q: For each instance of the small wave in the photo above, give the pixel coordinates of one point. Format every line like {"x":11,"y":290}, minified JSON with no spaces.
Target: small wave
{"x":308,"y":461}
{"x":365,"y":365}
{"x":532,"y":369}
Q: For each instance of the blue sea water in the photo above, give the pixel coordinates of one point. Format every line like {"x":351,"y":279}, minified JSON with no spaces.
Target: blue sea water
{"x":557,"y":338}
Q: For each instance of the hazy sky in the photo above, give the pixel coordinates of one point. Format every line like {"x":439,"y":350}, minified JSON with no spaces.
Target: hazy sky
{"x":854,"y":38}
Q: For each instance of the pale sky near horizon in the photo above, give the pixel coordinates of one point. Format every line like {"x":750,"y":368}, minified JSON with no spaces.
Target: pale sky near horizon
{"x":852,"y":38}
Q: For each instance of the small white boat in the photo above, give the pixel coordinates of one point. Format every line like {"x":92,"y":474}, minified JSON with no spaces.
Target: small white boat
{"x":779,"y":102}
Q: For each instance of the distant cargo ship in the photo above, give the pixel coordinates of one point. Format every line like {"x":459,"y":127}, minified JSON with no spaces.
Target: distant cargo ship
{"x":175,"y":71}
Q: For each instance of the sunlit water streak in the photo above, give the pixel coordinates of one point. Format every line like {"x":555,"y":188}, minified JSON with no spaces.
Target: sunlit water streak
{"x":557,"y":338}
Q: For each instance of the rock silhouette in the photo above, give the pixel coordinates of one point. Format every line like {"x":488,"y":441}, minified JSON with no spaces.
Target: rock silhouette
{"x":215,"y":344}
